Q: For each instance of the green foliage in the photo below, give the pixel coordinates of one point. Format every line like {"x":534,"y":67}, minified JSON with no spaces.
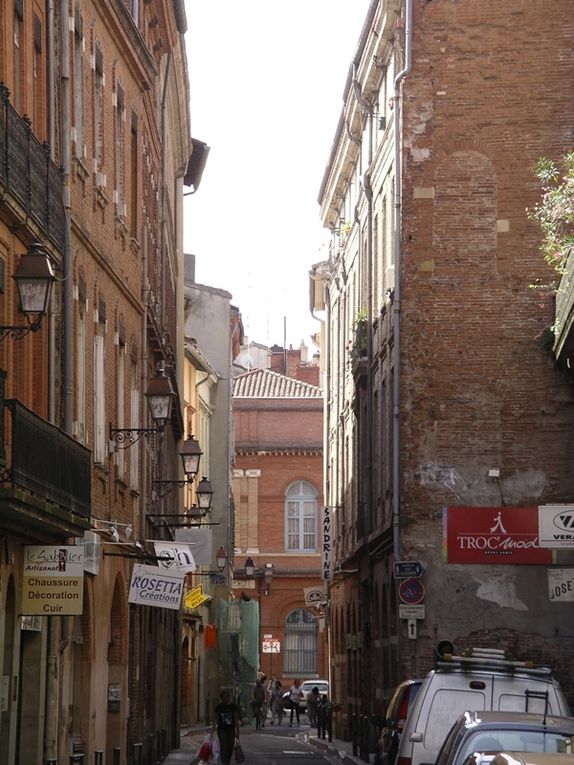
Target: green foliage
{"x":359,"y":345}
{"x":555,"y":211}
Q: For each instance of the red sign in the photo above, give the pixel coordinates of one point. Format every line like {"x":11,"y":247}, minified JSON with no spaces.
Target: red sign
{"x":411,"y":591}
{"x":493,"y":535}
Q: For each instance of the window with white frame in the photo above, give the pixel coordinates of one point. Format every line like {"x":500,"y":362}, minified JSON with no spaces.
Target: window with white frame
{"x":121,"y":392}
{"x":134,"y":414}
{"x":100,"y":386}
{"x":81,"y":361}
{"x":78,"y":85}
{"x":301,"y":517}
{"x":300,"y":654}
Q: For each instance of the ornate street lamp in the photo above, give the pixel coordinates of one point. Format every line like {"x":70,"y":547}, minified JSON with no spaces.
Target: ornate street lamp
{"x":34,"y":277}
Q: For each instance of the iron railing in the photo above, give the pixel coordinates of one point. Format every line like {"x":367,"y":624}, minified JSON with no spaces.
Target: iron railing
{"x":28,"y":173}
{"x":48,"y":462}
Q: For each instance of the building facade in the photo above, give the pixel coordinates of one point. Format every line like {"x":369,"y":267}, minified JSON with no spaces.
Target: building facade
{"x":277,"y":489}
{"x":95,"y":149}
{"x":447,"y":421}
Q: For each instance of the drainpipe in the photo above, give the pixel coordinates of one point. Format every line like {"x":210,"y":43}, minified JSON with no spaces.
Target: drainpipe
{"x":67,"y":293}
{"x":397,"y":292}
{"x":51,"y":67}
{"x":163,"y":248}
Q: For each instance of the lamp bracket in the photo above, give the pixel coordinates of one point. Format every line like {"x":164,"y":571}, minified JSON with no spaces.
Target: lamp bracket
{"x":123,"y":438}
{"x":20,"y":331}
{"x":165,"y":487}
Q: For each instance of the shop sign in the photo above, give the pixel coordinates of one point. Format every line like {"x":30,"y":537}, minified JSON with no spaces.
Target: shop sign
{"x":314,"y":596}
{"x":561,"y":584}
{"x":271,"y":646}
{"x":154,"y":586}
{"x":195,"y":598}
{"x":53,"y":580}
{"x":326,"y":545}
{"x":171,"y":555}
{"x":493,"y":535}
{"x":556,"y":526}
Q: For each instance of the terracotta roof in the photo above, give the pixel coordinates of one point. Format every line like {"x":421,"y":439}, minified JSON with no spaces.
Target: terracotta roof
{"x":263,"y":383}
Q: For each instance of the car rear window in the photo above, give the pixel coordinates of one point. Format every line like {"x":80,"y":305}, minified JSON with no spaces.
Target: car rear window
{"x":518,"y":741}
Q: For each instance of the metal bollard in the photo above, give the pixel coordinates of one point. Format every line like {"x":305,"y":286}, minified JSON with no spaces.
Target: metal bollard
{"x":76,"y":759}
{"x":52,"y":761}
{"x":99,"y":757}
{"x":117,"y":755}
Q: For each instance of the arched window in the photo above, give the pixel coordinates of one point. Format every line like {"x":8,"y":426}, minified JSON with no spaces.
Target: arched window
{"x":301,"y":518}
{"x":300,"y":643}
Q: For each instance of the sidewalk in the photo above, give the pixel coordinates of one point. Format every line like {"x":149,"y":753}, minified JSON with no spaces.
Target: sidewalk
{"x":191,"y":738}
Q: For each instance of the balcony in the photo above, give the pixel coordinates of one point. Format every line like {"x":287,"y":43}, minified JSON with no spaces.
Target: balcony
{"x":33,"y":182}
{"x":564,"y":312}
{"x":45,"y":483}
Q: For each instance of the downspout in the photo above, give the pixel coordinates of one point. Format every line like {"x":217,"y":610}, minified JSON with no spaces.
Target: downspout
{"x":397,"y":291}
{"x":51,"y":66}
{"x":163,"y":248}
{"x":326,"y":473}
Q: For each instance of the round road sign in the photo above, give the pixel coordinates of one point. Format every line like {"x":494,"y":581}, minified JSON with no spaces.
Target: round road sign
{"x":411,"y":591}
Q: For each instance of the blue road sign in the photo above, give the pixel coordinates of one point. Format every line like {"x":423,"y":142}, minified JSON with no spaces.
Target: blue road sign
{"x":409,"y":569}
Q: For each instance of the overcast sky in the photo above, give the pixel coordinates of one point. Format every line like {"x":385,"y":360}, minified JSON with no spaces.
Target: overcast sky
{"x":266,"y":80}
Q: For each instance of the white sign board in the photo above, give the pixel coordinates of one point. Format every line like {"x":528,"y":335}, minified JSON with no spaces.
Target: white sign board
{"x":53,"y":580}
{"x":556,"y":526}
{"x":314,"y":596}
{"x":200,"y":541}
{"x":172,"y":555}
{"x":271,"y":646}
{"x":154,"y":586}
{"x":561,"y":584}
{"x":326,"y":545}
{"x":411,"y":612}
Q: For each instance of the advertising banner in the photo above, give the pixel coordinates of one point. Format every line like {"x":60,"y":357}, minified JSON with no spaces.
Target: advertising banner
{"x":490,"y":535}
{"x":556,"y":526}
{"x":53,"y":580}
{"x":154,"y":586}
{"x":174,"y":556}
{"x":314,"y":596}
{"x":326,"y":545}
{"x":200,"y":541}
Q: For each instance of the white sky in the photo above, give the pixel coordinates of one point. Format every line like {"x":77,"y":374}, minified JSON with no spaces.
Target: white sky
{"x":267,"y":80}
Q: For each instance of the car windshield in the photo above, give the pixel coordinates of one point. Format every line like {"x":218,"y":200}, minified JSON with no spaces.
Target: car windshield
{"x":517,"y":741}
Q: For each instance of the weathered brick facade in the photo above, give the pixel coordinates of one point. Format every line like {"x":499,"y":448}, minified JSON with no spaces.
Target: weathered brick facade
{"x":482,"y":414}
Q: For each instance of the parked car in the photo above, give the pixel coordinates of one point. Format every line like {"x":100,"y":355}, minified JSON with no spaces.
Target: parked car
{"x":394,"y":721}
{"x":491,"y":732}
{"x":518,"y":758}
{"x":479,"y":679}
{"x":306,"y":687}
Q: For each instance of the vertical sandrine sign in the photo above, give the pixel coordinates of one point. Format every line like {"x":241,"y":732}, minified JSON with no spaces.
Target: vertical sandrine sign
{"x":326,"y":545}
{"x":53,"y":580}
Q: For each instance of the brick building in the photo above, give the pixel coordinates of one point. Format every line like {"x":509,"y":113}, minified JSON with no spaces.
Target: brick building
{"x":95,"y":149}
{"x":277,"y":489}
{"x":448,"y":422}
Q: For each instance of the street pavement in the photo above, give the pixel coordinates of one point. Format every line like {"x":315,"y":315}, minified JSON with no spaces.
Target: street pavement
{"x":273,"y":744}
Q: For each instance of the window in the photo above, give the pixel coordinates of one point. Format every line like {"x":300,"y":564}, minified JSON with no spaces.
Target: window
{"x":134,"y":414}
{"x":81,"y":361}
{"x":121,"y":383}
{"x":301,"y":518}
{"x":18,"y":91}
{"x":100,"y":386}
{"x":134,"y":178}
{"x":120,"y":152}
{"x":99,"y":111}
{"x":300,"y":643}
{"x":78,"y":85}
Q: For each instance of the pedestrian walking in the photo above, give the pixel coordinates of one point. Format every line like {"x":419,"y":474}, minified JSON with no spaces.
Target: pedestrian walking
{"x":276,"y":702}
{"x":257,"y":704}
{"x":227,"y":725}
{"x":295,"y":694}
{"x":313,"y":699}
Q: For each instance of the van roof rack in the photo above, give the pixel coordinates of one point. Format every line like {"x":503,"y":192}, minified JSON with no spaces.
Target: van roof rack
{"x":489,"y":658}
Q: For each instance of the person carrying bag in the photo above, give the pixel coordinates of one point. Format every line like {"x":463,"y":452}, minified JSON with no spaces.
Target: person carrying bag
{"x":227,"y":725}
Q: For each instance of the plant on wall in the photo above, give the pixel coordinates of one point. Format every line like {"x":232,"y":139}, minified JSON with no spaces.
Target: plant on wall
{"x":555,"y":211}
{"x":359,"y":343}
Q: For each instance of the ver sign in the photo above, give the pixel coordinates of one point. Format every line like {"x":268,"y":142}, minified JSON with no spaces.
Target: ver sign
{"x":556,"y":526}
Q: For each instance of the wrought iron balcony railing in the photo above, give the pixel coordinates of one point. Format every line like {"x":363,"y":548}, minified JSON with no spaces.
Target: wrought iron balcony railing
{"x":45,"y":461}
{"x":28,"y":173}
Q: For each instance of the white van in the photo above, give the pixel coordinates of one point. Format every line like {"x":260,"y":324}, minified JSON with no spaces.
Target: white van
{"x":479,"y":679}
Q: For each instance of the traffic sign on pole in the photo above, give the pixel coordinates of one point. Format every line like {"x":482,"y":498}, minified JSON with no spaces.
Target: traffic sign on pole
{"x":411,"y":591}
{"x":409,"y":569}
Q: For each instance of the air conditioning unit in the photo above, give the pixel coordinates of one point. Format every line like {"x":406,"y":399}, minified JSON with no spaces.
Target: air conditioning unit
{"x":101,"y":180}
